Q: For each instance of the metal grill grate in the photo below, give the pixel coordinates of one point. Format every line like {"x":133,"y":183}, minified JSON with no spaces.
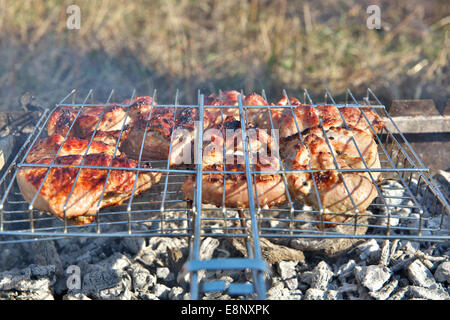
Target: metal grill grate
{"x":163,"y":211}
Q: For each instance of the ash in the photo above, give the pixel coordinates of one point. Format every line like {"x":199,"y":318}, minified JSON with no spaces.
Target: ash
{"x":150,"y":269}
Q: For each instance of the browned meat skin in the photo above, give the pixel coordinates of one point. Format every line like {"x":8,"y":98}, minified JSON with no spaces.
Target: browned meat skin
{"x":48,"y":147}
{"x":316,"y":154}
{"x":355,"y":118}
{"x":139,"y":107}
{"x":269,"y":188}
{"x":60,"y":120}
{"x":89,"y":187}
{"x":110,"y":137}
{"x":109,"y":118}
{"x":90,"y":182}
{"x":159,"y":133}
{"x":261,"y":118}
{"x":307,"y":116}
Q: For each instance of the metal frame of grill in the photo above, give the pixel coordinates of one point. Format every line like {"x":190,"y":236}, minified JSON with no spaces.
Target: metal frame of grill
{"x":162,"y":210}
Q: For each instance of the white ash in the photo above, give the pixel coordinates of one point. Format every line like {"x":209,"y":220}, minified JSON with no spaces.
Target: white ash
{"x":442,"y":273}
{"x":315,"y":294}
{"x":385,"y":292}
{"x":161,"y":291}
{"x":420,"y":275}
{"x":321,"y":276}
{"x":372,"y":277}
{"x":368,"y":250}
{"x":288,"y":273}
{"x":362,"y":273}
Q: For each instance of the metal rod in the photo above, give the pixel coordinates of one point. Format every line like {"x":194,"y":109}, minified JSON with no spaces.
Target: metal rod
{"x":198,"y":199}
{"x":365,"y":165}
{"x":316,"y":190}
{"x":168,"y":159}
{"x":97,"y":209}
{"x":259,"y":284}
{"x":139,"y":160}
{"x":82,"y":162}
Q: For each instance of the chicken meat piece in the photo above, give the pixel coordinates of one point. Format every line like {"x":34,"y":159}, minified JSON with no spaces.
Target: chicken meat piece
{"x":109,"y":118}
{"x":315,"y":153}
{"x":225,"y":152}
{"x":89,"y":185}
{"x":306,"y":116}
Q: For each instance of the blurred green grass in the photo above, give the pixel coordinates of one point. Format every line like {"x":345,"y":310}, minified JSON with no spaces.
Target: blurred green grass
{"x":211,"y":45}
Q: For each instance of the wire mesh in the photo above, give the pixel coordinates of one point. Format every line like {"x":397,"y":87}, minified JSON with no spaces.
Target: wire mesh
{"x":163,"y":210}
{"x":409,"y":205}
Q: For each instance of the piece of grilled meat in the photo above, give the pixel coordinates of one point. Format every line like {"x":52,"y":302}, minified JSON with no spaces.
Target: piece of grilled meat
{"x":306,"y":116}
{"x":333,"y":196}
{"x":87,"y":192}
{"x":224,"y":151}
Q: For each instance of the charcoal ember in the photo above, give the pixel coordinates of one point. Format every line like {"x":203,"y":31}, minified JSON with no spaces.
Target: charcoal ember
{"x":385,"y":253}
{"x":346,"y":270}
{"x":442,"y":273}
{"x":120,"y":292}
{"x":330,"y":247}
{"x":164,"y":275}
{"x":348,"y":287}
{"x":288,"y":274}
{"x":75,"y":296}
{"x":305,"y":279}
{"x":108,"y":279}
{"x":159,"y":252}
{"x":26,"y":295}
{"x":96,"y":281}
{"x":12,"y":257}
{"x":333,"y":295}
{"x":33,"y":282}
{"x":385,"y":292}
{"x":215,"y":296}
{"x":147,"y":258}
{"x":143,"y":280}
{"x":207,"y":247}
{"x":372,"y":277}
{"x":442,"y":179}
{"x":161,"y":291}
{"x":177,"y":257}
{"x":280,"y":292}
{"x":420,"y":275}
{"x":400,"y":294}
{"x":147,"y":296}
{"x":176,"y":293}
{"x":314,"y":294}
{"x":321,"y":276}
{"x":87,"y":252}
{"x":132,"y":245}
{"x":45,"y":253}
{"x":369,"y":250}
{"x":416,"y":292}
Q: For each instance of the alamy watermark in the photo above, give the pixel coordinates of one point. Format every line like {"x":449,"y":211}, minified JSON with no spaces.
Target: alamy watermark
{"x":73,"y":21}
{"x":374,"y":20}
{"x":73,"y":281}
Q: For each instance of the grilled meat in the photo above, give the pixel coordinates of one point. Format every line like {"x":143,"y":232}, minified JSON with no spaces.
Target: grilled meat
{"x":89,"y":186}
{"x":227,"y":153}
{"x":315,"y":153}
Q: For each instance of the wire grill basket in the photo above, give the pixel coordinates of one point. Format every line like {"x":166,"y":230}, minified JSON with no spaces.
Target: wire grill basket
{"x":409,"y":204}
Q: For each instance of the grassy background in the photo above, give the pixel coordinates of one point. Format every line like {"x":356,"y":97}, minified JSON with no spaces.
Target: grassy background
{"x":208,"y":45}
